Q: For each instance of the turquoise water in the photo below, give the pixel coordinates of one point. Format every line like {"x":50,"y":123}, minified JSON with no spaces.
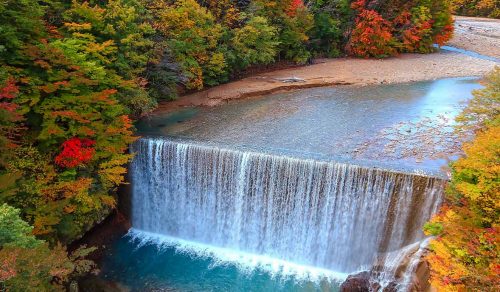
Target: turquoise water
{"x":167,"y":265}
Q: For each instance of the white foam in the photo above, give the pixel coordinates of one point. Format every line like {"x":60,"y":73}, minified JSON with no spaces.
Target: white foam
{"x":246,"y":263}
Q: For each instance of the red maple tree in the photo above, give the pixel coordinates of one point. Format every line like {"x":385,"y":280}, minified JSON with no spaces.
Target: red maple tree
{"x":75,"y":152}
{"x":294,"y":6}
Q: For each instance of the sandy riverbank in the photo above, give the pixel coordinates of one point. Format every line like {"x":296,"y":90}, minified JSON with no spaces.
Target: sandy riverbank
{"x":481,"y":35}
{"x":343,"y":71}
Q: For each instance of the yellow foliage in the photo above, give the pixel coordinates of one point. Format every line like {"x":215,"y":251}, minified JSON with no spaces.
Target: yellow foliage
{"x":465,"y":255}
{"x":73,"y":26}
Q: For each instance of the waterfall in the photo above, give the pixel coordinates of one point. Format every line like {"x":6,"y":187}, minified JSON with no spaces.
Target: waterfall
{"x":324,"y":214}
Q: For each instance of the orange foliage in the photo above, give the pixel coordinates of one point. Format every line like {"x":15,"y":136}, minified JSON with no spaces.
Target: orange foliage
{"x":386,"y":32}
{"x":445,"y":35}
{"x":7,"y":267}
{"x":9,"y":90}
{"x":371,"y":36}
{"x":294,"y":6}
{"x":465,"y":254}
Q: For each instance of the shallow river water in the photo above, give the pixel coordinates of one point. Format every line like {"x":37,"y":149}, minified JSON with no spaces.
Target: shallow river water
{"x":402,"y":126}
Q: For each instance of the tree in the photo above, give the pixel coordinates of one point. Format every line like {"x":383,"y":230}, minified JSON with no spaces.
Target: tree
{"x":326,"y":35}
{"x":255,"y":43}
{"x":488,"y":8}
{"x":20,"y":24}
{"x":9,"y":119}
{"x":385,"y":28}
{"x":40,"y":268}
{"x":293,"y":21}
{"x":193,"y":37}
{"x":464,"y":255}
{"x":371,"y":35}
{"x":226,"y":12}
{"x":110,"y":39}
{"x":28,"y":264}
{"x":66,"y":92}
{"x":14,"y":231}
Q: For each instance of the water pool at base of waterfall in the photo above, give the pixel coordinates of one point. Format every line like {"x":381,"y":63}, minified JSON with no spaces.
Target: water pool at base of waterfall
{"x":142,"y":261}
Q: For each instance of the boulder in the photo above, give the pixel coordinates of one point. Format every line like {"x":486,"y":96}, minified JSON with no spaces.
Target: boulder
{"x":391,"y":287}
{"x":357,"y":283}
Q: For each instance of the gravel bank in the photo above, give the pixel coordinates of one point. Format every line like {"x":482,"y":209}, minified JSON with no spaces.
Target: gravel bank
{"x":481,"y":35}
{"x":475,"y":34}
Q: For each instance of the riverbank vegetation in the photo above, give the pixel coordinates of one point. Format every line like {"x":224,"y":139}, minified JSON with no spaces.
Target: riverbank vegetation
{"x":464,"y":255}
{"x":74,"y":74}
{"x":485,"y":8}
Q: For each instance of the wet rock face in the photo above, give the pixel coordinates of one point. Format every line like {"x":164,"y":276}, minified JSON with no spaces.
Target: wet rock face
{"x":357,"y":283}
{"x":391,"y":287}
{"x":421,"y":280}
{"x":361,"y":283}
{"x":367,"y":281}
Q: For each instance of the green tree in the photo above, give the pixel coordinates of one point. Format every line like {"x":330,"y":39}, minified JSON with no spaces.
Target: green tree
{"x":15,"y":232}
{"x":111,"y":38}
{"x":255,"y":43}
{"x":293,"y":21}
{"x":326,"y":35}
{"x":20,"y":23}
{"x":193,"y":37}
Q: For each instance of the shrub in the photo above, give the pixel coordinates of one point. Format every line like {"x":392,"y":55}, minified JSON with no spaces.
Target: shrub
{"x":487,"y":8}
{"x":255,"y":43}
{"x":465,"y":255}
{"x":371,"y":36}
{"x":326,"y":35}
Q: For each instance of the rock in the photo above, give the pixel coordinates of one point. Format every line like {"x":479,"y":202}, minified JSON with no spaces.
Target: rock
{"x":96,"y":284}
{"x":290,"y":80}
{"x":391,"y":287}
{"x":357,"y":283}
{"x":73,"y":286}
{"x":421,"y":277}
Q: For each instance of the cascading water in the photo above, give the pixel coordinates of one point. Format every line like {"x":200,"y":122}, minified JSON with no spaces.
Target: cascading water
{"x":328,"y":215}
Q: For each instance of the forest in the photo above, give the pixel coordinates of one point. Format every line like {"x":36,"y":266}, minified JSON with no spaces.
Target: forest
{"x":484,"y":8}
{"x":465,"y":251}
{"x":75,"y":75}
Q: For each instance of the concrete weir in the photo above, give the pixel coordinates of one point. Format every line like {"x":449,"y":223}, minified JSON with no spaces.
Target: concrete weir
{"x":333,"y":216}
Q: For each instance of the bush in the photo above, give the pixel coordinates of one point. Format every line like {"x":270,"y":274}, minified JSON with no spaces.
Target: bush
{"x":465,"y":255}
{"x":326,"y":35}
{"x":486,"y":8}
{"x":371,"y":36}
{"x":255,"y":43}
